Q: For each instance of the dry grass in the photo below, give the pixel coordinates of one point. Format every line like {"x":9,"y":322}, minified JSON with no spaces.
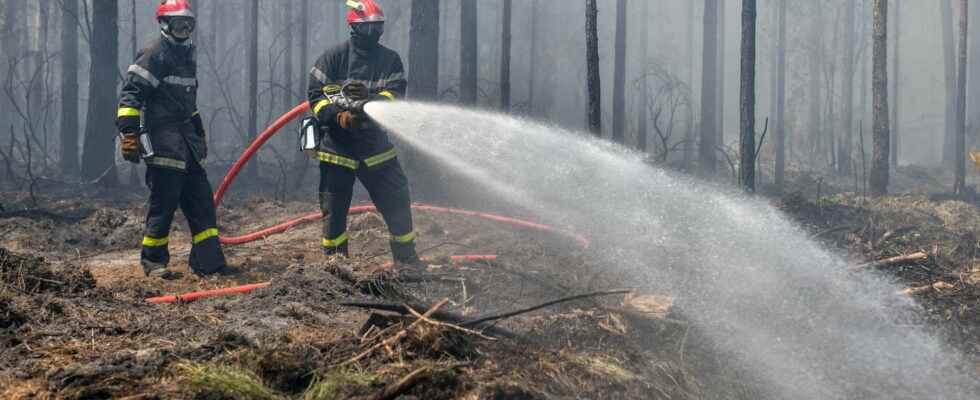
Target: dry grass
{"x":327,"y":387}
{"x":227,"y":380}
{"x":603,"y":366}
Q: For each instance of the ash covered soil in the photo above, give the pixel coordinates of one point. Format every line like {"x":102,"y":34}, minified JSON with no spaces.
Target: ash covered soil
{"x":74,"y":323}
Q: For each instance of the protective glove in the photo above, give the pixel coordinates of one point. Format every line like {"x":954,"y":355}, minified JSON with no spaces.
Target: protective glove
{"x":130,"y":148}
{"x":347,"y":120}
{"x":356,"y":91}
{"x":128,"y":123}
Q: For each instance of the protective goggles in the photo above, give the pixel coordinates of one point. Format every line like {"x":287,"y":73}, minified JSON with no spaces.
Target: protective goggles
{"x":180,"y":27}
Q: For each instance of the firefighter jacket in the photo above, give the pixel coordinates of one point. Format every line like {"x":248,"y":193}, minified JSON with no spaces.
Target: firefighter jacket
{"x":378,"y":68}
{"x":160,"y":90}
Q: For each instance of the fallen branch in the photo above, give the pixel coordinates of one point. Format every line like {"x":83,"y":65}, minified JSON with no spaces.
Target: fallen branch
{"x":403,"y":385}
{"x":438,"y":315}
{"x":903,"y":259}
{"x":540,"y":306}
{"x":398,"y":336}
{"x":938,"y":286}
{"x":447,"y":325}
{"x":893,"y":233}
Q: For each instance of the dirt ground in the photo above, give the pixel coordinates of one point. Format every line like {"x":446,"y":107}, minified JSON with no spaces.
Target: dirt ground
{"x":74,"y":323}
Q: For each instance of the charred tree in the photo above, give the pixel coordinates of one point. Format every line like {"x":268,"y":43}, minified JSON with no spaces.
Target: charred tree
{"x":423,"y":50}
{"x":69,"y":87}
{"x":533,"y":68}
{"x":98,"y":156}
{"x":505,"y":49}
{"x":691,"y":60}
{"x":896,"y":136}
{"x":847,"y":93}
{"x":779,"y":126}
{"x":13,"y":46}
{"x":707,"y":145}
{"x":289,"y":97}
{"x":133,"y":48}
{"x":304,"y":43}
{"x":816,"y":58}
{"x":747,"y":149}
{"x":642,"y":111}
{"x":468,"y":53}
{"x":592,"y":61}
{"x":619,"y":75}
{"x":720,"y":85}
{"x":300,"y":161}
{"x":252,"y":79}
{"x":973,"y":81}
{"x":949,"y":62}
{"x":878,"y":179}
{"x":959,"y":185}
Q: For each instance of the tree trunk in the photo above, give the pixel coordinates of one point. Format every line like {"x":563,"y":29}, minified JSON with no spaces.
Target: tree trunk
{"x":134,"y":178}
{"x":709,"y":75}
{"x":13,"y":46}
{"x":99,"y":153}
{"x":879,"y":159}
{"x":619,"y":75}
{"x":304,"y":45}
{"x":69,"y":87}
{"x":847,"y":93}
{"x":642,"y":112}
{"x":592,"y":60}
{"x":252,"y":80}
{"x":532,"y":56}
{"x":423,"y":51}
{"x":289,"y":98}
{"x":815,"y":141}
{"x":721,"y":73}
{"x":505,"y":50}
{"x":949,"y":60}
{"x":779,"y":127}
{"x":959,"y":186}
{"x":691,"y":55}
{"x":468,"y":53}
{"x":896,"y":138}
{"x":747,"y":99}
{"x":300,"y":161}
{"x":973,"y":82}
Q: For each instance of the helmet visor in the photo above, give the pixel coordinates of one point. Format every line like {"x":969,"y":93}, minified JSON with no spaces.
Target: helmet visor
{"x":369,"y":29}
{"x":180,"y":27}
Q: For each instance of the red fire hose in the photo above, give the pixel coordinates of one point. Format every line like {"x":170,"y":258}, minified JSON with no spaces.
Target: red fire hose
{"x":282,"y":227}
{"x":188,"y":297}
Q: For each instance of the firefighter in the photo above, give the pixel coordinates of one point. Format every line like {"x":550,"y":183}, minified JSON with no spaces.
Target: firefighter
{"x":352,"y":146}
{"x":159,"y":97}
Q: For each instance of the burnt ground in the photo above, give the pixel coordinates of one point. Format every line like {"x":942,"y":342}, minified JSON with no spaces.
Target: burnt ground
{"x":74,"y":323}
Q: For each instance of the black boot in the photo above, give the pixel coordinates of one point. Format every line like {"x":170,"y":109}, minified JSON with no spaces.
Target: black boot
{"x":404,"y":255}
{"x":342,"y":249}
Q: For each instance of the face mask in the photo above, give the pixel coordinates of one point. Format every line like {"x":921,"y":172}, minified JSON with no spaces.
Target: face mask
{"x":180,"y":28}
{"x":367,"y":33}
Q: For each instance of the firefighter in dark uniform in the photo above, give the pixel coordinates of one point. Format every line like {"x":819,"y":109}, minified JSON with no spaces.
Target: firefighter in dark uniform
{"x":159,"y":96}
{"x":352,"y":145}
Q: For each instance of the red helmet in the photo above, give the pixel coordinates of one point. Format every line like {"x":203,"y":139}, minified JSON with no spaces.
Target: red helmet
{"x":174,"y":8}
{"x":364,"y":11}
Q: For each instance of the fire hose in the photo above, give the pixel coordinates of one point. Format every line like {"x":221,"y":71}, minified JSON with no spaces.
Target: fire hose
{"x":284,"y":226}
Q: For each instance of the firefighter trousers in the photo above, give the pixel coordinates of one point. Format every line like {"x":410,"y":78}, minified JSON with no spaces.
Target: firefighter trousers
{"x":191,"y":192}
{"x":388,"y":188}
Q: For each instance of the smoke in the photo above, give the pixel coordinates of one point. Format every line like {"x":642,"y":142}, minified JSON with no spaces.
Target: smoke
{"x":782,"y":305}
